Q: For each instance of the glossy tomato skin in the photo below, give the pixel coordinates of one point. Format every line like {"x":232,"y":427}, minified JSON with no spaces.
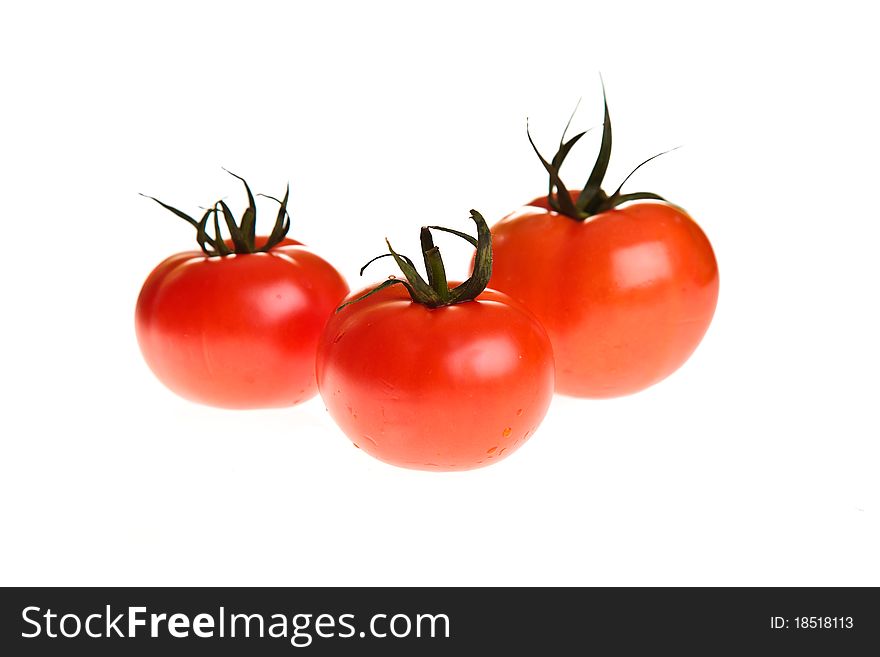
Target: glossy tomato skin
{"x":238,"y":331}
{"x":625,"y":296}
{"x":451,"y":388}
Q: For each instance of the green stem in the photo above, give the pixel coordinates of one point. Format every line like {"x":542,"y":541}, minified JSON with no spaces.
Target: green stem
{"x":242,"y":233}
{"x":437,"y":272}
{"x":435,"y":292}
{"x":434,"y":265}
{"x":592,"y":199}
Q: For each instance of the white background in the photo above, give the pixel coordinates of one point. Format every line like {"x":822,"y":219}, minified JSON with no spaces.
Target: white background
{"x":756,"y":463}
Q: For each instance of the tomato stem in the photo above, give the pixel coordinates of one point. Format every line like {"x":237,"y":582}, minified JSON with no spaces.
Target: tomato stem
{"x":434,"y":266}
{"x":592,"y":199}
{"x":435,"y":292}
{"x":243,"y":233}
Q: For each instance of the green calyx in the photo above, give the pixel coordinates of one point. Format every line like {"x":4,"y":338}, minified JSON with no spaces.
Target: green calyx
{"x":242,"y":233}
{"x":592,"y":199}
{"x":435,"y":291}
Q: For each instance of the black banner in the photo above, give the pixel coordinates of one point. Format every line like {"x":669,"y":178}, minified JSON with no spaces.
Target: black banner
{"x":437,"y":621}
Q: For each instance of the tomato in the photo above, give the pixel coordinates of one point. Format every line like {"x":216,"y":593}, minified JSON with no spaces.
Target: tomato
{"x":238,"y":330}
{"x":626,"y":296}
{"x":450,"y":387}
{"x":625,"y":289}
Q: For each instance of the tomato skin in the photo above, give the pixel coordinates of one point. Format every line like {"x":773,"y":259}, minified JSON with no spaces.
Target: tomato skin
{"x":238,"y":331}
{"x":625,"y":296}
{"x":451,"y":388}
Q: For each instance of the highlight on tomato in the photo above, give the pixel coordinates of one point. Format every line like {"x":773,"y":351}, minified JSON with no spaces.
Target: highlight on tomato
{"x":236,"y":324}
{"x":430,"y":375}
{"x":625,"y":283}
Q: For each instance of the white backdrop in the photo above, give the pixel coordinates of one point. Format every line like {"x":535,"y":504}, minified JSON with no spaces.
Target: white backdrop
{"x":756,"y":463}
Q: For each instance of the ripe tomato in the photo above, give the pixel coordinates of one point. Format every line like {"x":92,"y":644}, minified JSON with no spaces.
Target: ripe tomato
{"x":626,"y":296}
{"x":238,"y":330}
{"x":625,"y":290}
{"x":450,"y":387}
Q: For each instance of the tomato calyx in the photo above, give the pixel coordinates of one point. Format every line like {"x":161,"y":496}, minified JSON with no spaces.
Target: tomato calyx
{"x":592,"y":199}
{"x":243,"y":232}
{"x":435,"y":291}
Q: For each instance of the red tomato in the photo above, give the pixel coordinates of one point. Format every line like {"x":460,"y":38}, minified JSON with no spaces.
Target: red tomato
{"x":626,"y":295}
{"x":238,"y":330}
{"x":447,"y":388}
{"x":625,"y":290}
